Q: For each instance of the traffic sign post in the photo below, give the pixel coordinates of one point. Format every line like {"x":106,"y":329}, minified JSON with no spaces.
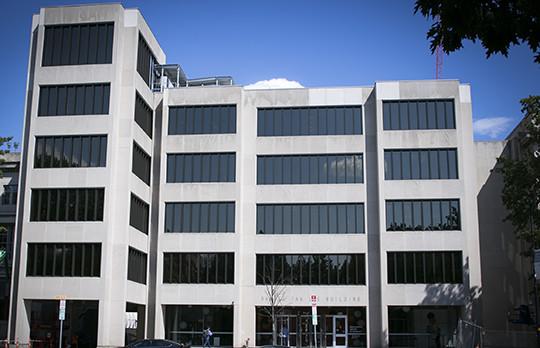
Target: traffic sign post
{"x":61,"y":317}
{"x":314,"y":317}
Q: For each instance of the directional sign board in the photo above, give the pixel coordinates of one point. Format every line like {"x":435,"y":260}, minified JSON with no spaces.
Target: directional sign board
{"x":62,"y":310}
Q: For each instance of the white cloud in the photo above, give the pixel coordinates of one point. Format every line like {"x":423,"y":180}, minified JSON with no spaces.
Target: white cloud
{"x":274,"y":83}
{"x":492,"y":127}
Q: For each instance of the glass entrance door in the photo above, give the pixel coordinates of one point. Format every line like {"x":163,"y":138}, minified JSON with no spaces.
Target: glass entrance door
{"x":340,"y":331}
{"x":283,"y":327}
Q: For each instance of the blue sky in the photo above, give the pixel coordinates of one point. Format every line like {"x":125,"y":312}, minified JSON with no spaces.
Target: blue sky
{"x":314,"y":42}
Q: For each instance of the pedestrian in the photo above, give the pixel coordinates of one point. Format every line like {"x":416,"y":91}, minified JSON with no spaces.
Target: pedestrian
{"x":206,"y":337}
{"x":285,"y":335}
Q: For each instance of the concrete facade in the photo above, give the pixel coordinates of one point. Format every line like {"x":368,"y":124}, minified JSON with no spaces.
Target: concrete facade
{"x":113,"y":290}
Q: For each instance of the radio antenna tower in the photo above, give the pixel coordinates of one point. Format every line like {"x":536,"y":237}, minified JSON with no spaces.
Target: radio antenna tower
{"x":438,"y":57}
{"x":438,"y":62}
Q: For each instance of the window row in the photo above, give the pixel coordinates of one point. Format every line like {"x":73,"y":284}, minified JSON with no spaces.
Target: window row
{"x":313,"y":120}
{"x":198,"y":268}
{"x":139,"y":214}
{"x":70,"y":151}
{"x":143,"y":115}
{"x":136,"y":266}
{"x":310,"y":169}
{"x":418,"y":114}
{"x":420,"y":215}
{"x":145,"y":61}
{"x":64,"y":100}
{"x":310,"y":218}
{"x":72,"y":204}
{"x":141,"y":163}
{"x":199,"y":217}
{"x":202,"y":119}
{"x":317,"y":269}
{"x":201,"y":167}
{"x":74,"y":44}
{"x":420,"y":164}
{"x":63,"y":260}
{"x":426,"y":267}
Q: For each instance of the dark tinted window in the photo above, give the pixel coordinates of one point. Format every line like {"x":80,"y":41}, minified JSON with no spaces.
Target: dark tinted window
{"x":418,"y":114}
{"x":425,"y":267}
{"x":199,"y":217}
{"x":310,"y":218}
{"x":69,"y":100}
{"x":141,"y":163}
{"x":145,"y":60}
{"x":64,"y":151}
{"x":185,"y":323}
{"x":63,"y":260}
{"x":313,"y":120}
{"x":143,"y":115}
{"x":74,"y":44}
{"x":420,"y":164}
{"x":315,"y":269}
{"x":138,"y":214}
{"x":198,"y":268}
{"x":201,"y":167}
{"x":83,"y":204}
{"x":202,"y":119}
{"x":136,"y":266}
{"x":309,"y":169}
{"x":419,"y":215}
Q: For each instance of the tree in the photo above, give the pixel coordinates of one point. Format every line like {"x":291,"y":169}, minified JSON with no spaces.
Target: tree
{"x":275,"y":295}
{"x":497,"y":24}
{"x":521,"y":176}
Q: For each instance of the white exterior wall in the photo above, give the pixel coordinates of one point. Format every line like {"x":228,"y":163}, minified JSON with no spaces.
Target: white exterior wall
{"x":245,"y":243}
{"x":463,"y":188}
{"x":113,"y":290}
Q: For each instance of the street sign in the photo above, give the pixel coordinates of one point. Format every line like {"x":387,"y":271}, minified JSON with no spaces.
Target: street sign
{"x":314,"y":310}
{"x":62,"y":310}
{"x":314,"y":315}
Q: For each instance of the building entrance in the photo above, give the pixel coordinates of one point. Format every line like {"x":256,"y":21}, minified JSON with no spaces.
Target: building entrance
{"x":338,"y":327}
{"x":339,"y":331}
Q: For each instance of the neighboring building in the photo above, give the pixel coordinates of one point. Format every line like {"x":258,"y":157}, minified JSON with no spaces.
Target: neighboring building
{"x":153,"y":198}
{"x":507,"y":276}
{"x":9,"y":178}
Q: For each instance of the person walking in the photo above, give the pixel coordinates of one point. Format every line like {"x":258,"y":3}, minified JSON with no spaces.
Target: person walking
{"x":206,"y":337}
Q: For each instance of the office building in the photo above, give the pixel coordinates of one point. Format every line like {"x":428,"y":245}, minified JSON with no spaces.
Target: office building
{"x":177,"y":203}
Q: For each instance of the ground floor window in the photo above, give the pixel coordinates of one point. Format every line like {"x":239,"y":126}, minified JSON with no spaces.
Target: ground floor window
{"x":135,"y":322}
{"x":185,"y":324}
{"x":80,"y":326}
{"x":423,"y":326}
{"x":337,"y":327}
